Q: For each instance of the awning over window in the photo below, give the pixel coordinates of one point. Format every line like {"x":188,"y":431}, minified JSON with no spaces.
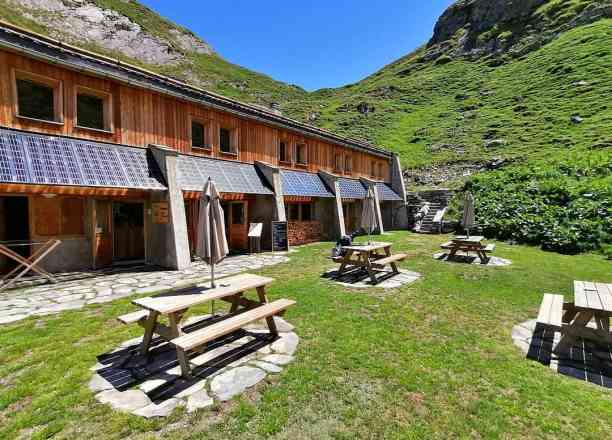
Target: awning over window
{"x":48,"y":160}
{"x":386,"y":194}
{"x":351,"y":188}
{"x":301,"y":183}
{"x":229,"y":177}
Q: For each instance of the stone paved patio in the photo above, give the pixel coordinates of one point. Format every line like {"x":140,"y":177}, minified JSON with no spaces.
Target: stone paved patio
{"x":585,"y":360}
{"x":359,"y":279}
{"x":472,"y":258}
{"x":77,"y":289}
{"x":151,"y":386}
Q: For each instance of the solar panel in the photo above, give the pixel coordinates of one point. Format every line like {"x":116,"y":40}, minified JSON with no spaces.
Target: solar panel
{"x":229,"y":177}
{"x":301,"y":183}
{"x":385,"y":193}
{"x":39,"y":159}
{"x":351,"y":188}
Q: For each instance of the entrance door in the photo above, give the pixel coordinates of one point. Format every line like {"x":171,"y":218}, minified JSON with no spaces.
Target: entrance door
{"x":349,"y":217}
{"x":236,"y":225}
{"x":14,"y":226}
{"x":103,"y":241}
{"x":128,"y":231}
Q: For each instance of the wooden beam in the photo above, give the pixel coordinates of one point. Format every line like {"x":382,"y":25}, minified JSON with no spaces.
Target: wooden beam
{"x":22,"y":188}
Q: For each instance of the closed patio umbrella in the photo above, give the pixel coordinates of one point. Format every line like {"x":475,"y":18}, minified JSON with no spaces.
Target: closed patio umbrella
{"x":368,"y":213}
{"x":468,"y":212}
{"x":211,"y":243}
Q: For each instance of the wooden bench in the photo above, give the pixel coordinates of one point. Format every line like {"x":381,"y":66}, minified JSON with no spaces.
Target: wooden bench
{"x":134,"y":317}
{"x":382,"y":262}
{"x":199,"y":338}
{"x":447,"y":245}
{"x":551,"y":311}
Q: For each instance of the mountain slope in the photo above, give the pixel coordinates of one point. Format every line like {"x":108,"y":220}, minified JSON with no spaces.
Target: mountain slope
{"x":127,"y":30}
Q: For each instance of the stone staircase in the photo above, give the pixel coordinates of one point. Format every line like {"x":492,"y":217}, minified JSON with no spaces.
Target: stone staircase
{"x":438,"y":201}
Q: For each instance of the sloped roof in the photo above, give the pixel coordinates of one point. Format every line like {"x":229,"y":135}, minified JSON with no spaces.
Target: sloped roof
{"x":302,"y":183}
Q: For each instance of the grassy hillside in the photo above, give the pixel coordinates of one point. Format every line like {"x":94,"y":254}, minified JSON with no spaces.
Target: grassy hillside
{"x":457,"y":110}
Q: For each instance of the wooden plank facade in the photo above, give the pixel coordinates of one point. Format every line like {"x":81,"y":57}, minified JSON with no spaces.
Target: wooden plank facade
{"x":142,"y":117}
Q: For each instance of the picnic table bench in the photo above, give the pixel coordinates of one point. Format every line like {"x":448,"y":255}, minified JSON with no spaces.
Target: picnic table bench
{"x":592,"y":302}
{"x":175,"y":304}
{"x":469,"y":244}
{"x":368,"y":257}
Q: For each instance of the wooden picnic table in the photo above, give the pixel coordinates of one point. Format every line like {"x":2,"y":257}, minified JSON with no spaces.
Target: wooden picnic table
{"x":175,"y":304}
{"x":592,"y":302}
{"x":369,"y":257}
{"x":25,"y":265}
{"x":469,"y":244}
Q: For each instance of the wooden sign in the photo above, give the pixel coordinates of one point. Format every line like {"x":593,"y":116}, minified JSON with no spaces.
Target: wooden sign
{"x":279,"y":236}
{"x":160,"y":213}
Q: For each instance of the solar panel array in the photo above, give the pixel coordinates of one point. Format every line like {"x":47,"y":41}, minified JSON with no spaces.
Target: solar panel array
{"x":48,"y":160}
{"x":228,"y":176}
{"x":386,"y":193}
{"x":301,"y":183}
{"x":351,"y":188}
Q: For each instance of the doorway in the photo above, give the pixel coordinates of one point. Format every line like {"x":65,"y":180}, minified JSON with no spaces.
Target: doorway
{"x":348,"y":209}
{"x":128,"y":232}
{"x":236,"y":225}
{"x":14,"y":226}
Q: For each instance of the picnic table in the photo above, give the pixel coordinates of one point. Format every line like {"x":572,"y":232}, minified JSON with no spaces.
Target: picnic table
{"x":469,"y":244}
{"x":25,"y":265}
{"x":592,"y":302}
{"x":175,"y":304}
{"x":369,"y":257}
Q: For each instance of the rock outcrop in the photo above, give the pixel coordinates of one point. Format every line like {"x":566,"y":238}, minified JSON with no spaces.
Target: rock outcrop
{"x":477,"y":28}
{"x":84,"y":21}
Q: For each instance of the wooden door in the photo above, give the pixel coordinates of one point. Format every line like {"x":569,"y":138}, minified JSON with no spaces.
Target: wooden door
{"x":128,"y":231}
{"x":103,"y":233}
{"x":236,"y":225}
{"x":349,"y":217}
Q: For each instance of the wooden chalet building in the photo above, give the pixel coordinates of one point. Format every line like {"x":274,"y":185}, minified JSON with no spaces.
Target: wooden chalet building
{"x":110,"y":159}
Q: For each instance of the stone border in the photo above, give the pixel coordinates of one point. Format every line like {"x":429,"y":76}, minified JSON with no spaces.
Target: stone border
{"x":359,"y":279}
{"x":585,"y":360}
{"x":463,"y":258}
{"x":164,"y":390}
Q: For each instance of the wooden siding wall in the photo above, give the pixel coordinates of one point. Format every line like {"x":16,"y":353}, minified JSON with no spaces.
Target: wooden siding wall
{"x":142,"y":117}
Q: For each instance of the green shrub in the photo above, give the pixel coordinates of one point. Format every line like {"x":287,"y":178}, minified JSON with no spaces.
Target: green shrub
{"x":563,"y":205}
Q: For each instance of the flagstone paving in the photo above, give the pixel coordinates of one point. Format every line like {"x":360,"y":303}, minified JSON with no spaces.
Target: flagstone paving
{"x":77,"y":289}
{"x":151,"y":385}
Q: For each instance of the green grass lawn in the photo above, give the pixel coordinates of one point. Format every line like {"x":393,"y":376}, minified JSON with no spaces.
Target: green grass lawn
{"x":431,"y":360}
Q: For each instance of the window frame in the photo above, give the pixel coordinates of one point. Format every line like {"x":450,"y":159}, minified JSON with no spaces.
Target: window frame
{"x":300,"y":211}
{"x":207,"y":147}
{"x":338,"y":162}
{"x":288,"y":152}
{"x":301,"y":146}
{"x":232,"y":139}
{"x":58,"y":95}
{"x":348,"y":163}
{"x":107,"y":102}
{"x":373,"y":168}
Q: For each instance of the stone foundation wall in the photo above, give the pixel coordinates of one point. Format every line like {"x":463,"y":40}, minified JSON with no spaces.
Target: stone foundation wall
{"x":303,"y":232}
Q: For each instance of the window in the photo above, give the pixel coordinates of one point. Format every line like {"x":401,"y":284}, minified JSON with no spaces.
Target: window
{"x":300,"y":212}
{"x":38,"y":97}
{"x":237,"y":213}
{"x":94,"y":109}
{"x":381,"y":170}
{"x":301,"y":154}
{"x":198,"y":135}
{"x":373,"y":169}
{"x":338,"y":162}
{"x":225,"y":141}
{"x":283,"y":152}
{"x":348,"y":163}
{"x":306,"y":213}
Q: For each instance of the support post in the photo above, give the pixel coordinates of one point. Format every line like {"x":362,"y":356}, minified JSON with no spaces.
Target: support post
{"x":332,"y":182}
{"x":272,"y":175}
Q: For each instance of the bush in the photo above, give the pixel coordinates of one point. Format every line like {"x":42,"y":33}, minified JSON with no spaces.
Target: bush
{"x":563,"y":206}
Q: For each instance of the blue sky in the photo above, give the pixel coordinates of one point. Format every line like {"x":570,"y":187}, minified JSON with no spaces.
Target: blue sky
{"x":313,"y":44}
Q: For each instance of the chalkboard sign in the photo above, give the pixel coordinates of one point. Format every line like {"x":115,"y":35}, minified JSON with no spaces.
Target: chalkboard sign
{"x":279,"y":236}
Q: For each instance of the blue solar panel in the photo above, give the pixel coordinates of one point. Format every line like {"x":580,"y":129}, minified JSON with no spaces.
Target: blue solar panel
{"x":385,"y":193}
{"x":351,"y":188}
{"x":39,"y":159}
{"x":228,"y":176}
{"x":301,"y":183}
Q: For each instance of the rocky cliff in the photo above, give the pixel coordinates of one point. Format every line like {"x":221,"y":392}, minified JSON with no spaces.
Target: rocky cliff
{"x":477,"y":28}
